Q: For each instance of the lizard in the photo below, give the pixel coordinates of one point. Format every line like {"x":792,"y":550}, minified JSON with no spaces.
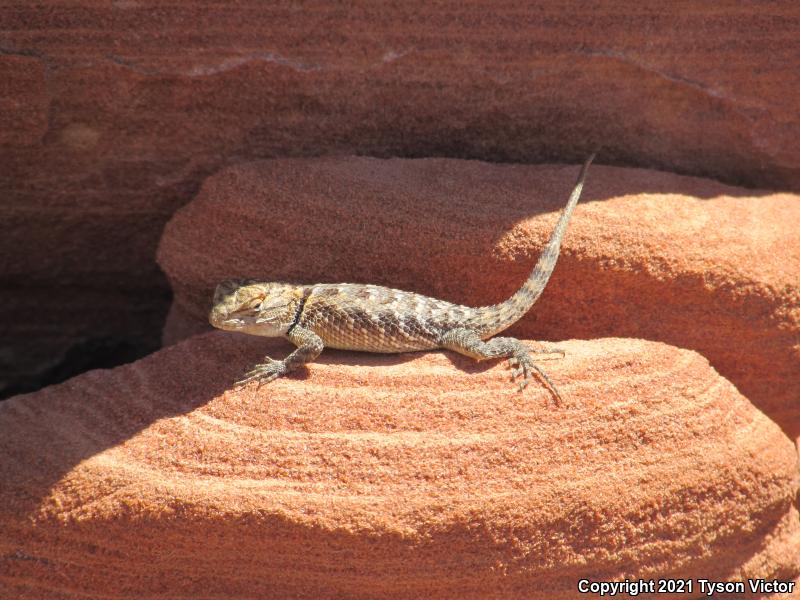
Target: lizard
{"x":373,"y":318}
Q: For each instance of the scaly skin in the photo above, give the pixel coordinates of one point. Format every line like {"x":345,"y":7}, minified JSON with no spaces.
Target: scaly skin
{"x":373,"y":318}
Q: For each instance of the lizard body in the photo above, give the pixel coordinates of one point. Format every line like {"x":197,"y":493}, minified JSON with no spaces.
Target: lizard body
{"x":374,"y":318}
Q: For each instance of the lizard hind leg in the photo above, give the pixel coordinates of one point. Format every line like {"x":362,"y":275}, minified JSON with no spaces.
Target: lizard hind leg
{"x":467,"y":342}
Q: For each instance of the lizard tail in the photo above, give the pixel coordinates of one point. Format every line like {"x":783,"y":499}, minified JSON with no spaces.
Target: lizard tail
{"x":496,"y":318}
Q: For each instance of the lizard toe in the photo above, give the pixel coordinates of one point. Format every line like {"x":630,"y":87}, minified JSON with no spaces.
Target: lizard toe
{"x":549,"y":350}
{"x":264,"y":372}
{"x":243,"y":381}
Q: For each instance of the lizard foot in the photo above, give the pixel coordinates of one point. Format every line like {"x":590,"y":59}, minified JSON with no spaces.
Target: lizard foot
{"x":523,"y":366}
{"x":467,"y":342}
{"x":264,"y":372}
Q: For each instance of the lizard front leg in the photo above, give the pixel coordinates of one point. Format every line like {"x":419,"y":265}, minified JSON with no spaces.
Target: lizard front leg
{"x":467,"y":342}
{"x":309,"y":345}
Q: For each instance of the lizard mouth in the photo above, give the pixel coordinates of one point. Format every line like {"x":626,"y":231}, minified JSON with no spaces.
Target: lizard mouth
{"x":224,"y":322}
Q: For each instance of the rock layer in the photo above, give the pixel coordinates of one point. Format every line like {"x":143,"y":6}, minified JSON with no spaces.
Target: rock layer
{"x":112,"y":113}
{"x":650,"y":255}
{"x":436,"y":479}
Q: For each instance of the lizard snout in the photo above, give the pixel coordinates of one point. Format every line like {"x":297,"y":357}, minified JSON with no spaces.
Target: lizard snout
{"x":217,"y":316}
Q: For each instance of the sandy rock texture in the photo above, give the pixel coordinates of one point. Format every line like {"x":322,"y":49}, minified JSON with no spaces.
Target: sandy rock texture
{"x":112,"y":113}
{"x":438,"y":479}
{"x":687,"y":261}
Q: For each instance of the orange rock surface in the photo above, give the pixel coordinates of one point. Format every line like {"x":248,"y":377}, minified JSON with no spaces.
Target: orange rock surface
{"x":402,"y":476}
{"x":687,"y":261}
{"x":112,"y":113}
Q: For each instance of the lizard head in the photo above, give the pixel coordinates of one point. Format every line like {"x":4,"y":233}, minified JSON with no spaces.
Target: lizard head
{"x":254,"y":307}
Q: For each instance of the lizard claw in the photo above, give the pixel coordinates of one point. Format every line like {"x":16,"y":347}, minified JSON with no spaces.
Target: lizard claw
{"x":521,"y":367}
{"x":525,"y":370}
{"x":264,"y":372}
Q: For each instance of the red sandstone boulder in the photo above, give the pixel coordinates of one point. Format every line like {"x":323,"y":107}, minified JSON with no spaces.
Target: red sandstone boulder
{"x":401,"y":476}
{"x":112,"y":113}
{"x":649,"y":255}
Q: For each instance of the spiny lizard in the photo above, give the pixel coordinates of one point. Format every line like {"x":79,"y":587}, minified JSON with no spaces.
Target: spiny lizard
{"x":372,"y":318}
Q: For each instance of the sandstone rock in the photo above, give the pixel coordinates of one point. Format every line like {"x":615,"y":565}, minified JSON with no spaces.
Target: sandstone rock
{"x":180,"y":325}
{"x":390,"y":476}
{"x":84,"y":328}
{"x":649,"y":255}
{"x":23,"y":103}
{"x":111,"y":114}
